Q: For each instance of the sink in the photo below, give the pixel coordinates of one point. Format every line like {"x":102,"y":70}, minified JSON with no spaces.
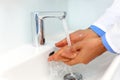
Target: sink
{"x":116,"y":72}
{"x":113,"y":72}
{"x":25,"y":63}
{"x":30,"y":63}
{"x":96,"y":69}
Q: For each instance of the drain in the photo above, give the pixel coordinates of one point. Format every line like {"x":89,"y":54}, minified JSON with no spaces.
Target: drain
{"x":73,"y":76}
{"x":51,"y":53}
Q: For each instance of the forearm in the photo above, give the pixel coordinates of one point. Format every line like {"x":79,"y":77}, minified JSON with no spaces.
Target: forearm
{"x":106,"y":29}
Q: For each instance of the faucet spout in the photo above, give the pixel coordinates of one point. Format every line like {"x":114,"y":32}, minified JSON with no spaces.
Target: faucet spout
{"x":39,"y":37}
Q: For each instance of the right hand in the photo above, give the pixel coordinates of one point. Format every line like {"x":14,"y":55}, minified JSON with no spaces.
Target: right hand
{"x":77,"y":36}
{"x":81,"y":52}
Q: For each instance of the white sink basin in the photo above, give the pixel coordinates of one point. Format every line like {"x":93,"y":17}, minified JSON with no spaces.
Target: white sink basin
{"x":113,"y":71}
{"x":25,"y":63}
{"x":96,"y":69}
{"x":116,"y":74}
{"x":30,"y":63}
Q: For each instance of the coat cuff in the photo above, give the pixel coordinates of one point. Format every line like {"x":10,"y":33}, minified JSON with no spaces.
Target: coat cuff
{"x":106,"y":44}
{"x":97,"y":30}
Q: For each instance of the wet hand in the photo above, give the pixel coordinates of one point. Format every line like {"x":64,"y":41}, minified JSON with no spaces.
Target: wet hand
{"x":64,"y":54}
{"x":76,"y":36}
{"x":80,"y":52}
{"x":87,"y":50}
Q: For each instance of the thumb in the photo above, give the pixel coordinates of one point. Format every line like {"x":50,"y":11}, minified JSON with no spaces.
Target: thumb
{"x":77,"y":46}
{"x":71,"y":51}
{"x":74,"y":37}
{"x":61,"y":43}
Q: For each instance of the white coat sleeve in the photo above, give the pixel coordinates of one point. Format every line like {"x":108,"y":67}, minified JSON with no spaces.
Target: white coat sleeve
{"x":105,"y":28}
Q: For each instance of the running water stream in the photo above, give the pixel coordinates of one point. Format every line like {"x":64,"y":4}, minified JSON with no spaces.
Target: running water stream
{"x":59,"y":70}
{"x":68,"y":39}
{"x":66,"y":31}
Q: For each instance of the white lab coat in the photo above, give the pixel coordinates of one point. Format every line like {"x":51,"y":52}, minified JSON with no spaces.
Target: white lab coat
{"x":109,"y":23}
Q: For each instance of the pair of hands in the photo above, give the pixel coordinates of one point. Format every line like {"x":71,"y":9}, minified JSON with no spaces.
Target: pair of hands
{"x":86,"y":45}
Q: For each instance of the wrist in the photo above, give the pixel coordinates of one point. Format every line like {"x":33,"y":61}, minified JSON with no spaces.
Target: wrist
{"x":102,"y":47}
{"x":93,"y":33}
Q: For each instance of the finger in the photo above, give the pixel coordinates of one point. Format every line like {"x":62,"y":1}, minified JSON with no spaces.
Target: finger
{"x":77,"y":46}
{"x":57,"y":56}
{"x":61,"y":43}
{"x":71,"y":51}
{"x":53,"y":58}
{"x":70,"y":55}
{"x":72,"y":62}
{"x":68,"y":52}
{"x":74,"y":37}
{"x":78,"y":59}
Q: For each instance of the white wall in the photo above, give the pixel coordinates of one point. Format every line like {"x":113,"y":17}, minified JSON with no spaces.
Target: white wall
{"x":15,"y":19}
{"x":83,"y":13}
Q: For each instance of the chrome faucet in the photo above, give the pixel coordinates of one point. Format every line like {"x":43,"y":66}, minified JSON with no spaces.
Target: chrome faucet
{"x":38,"y":26}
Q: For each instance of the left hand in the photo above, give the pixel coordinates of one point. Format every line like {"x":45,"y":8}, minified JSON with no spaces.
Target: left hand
{"x":77,"y":36}
{"x":80,"y":52}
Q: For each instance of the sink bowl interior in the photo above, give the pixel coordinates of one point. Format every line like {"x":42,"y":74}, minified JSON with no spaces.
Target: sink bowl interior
{"x":113,"y":73}
{"x":37,"y":68}
{"x":95,"y":69}
{"x":92,"y":71}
